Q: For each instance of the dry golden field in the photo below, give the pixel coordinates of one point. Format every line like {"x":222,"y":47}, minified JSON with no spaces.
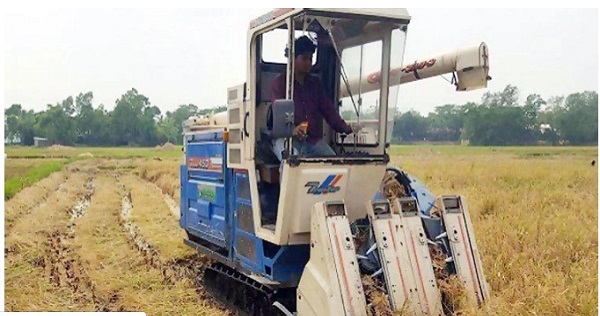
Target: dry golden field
{"x":102,"y":234}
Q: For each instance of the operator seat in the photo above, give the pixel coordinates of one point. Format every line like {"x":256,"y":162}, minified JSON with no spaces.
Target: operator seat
{"x":279,"y":124}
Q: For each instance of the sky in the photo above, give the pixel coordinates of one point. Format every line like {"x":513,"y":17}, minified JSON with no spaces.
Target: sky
{"x":183,"y":56}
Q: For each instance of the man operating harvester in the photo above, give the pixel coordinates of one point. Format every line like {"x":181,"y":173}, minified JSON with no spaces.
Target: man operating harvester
{"x":310,"y":106}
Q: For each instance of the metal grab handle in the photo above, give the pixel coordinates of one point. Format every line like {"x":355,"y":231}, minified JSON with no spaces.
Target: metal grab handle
{"x":245,"y":122}
{"x":282,"y":308}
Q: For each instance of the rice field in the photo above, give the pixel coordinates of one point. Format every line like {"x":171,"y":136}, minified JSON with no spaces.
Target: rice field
{"x":102,"y":233}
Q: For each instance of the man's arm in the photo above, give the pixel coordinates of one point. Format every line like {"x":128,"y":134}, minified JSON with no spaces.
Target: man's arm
{"x":331,"y":113}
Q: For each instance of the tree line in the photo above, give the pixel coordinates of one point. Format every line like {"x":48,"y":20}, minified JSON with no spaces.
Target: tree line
{"x":133,"y":122}
{"x":499,"y":119}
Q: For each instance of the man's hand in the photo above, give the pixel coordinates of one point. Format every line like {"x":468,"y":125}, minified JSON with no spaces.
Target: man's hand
{"x":353,"y":128}
{"x":356,"y":127}
{"x":299,"y":131}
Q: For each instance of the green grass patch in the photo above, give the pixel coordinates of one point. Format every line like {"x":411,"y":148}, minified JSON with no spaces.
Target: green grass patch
{"x":15,"y":184}
{"x":14,"y":168}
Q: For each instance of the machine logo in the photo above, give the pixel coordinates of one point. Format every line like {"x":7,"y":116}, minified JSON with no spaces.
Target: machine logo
{"x":328,"y":186}
{"x":205,"y":163}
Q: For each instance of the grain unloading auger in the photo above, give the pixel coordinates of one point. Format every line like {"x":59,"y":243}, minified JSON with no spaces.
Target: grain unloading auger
{"x":327,"y":236}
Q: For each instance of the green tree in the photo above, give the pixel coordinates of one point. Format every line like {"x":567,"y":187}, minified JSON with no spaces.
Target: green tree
{"x":176,"y":118}
{"x":127,"y":119}
{"x":577,"y":121}
{"x":148,"y":120}
{"x":100,"y":133}
{"x":12,"y":119}
{"x":508,"y":97}
{"x":499,"y":120}
{"x":496,"y":126}
{"x":19,"y":124}
{"x":410,"y":127}
{"x":84,"y":116}
{"x":56,"y":123}
{"x":445,"y":123}
{"x":167,"y":131}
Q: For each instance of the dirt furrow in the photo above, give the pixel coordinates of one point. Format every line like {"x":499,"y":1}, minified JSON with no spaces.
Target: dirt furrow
{"x":148,"y":217}
{"x":100,"y":244}
{"x":41,"y":272}
{"x":79,"y":210}
{"x":65,"y":265}
{"x":120,"y":275}
{"x":172,"y":269}
{"x":32,"y":198}
{"x":165,"y":174}
{"x":157,"y":236}
{"x":167,"y":199}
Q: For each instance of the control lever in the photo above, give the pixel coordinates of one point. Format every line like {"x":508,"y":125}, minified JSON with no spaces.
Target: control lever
{"x":342,"y":149}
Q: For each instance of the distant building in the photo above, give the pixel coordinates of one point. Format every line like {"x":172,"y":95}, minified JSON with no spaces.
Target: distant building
{"x":12,"y":140}
{"x":40,"y":142}
{"x":545,"y":127}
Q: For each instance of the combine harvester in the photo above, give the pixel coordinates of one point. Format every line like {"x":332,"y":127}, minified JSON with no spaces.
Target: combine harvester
{"x":328,"y":234}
